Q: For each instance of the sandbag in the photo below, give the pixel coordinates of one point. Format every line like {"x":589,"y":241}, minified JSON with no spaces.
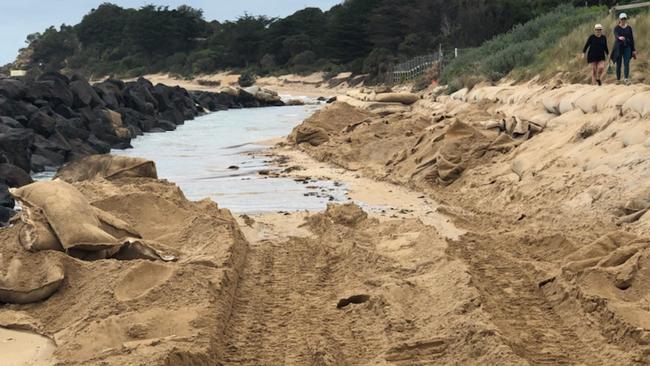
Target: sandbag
{"x":314,"y":136}
{"x":107,"y":167}
{"x":404,"y":98}
{"x":134,"y":249}
{"x":24,"y":283}
{"x":639,"y":103}
{"x":589,"y":102}
{"x":37,"y":235}
{"x":69,"y":214}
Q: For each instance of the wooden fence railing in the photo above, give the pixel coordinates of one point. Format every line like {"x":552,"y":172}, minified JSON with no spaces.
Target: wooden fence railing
{"x":616,"y":9}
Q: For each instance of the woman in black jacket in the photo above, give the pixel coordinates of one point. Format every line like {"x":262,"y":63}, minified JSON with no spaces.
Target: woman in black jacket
{"x":598,"y":51}
{"x":624,"y":49}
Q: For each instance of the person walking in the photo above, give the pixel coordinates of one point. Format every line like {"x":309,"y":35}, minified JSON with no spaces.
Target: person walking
{"x":597,"y":55}
{"x":624,"y":49}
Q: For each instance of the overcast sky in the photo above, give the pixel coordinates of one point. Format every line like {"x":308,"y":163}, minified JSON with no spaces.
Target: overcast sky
{"x":18,"y":18}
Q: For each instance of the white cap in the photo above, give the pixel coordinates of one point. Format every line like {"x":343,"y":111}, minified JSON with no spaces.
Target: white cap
{"x":598,"y":26}
{"x":622,"y":16}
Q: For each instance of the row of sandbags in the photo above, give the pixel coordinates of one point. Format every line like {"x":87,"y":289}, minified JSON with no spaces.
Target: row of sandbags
{"x":383,"y":96}
{"x":558,"y":99}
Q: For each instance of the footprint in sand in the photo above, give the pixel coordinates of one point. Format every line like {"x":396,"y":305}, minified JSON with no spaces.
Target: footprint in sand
{"x":141,"y":279}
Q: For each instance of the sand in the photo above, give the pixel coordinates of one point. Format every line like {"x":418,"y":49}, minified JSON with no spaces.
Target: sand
{"x":539,"y":177}
{"x":505,"y":225}
{"x":313,"y":86}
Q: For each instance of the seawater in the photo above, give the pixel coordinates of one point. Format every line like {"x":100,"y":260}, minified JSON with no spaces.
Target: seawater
{"x":197,"y":157}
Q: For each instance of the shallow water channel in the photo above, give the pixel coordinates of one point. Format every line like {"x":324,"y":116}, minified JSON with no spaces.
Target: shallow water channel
{"x":197,"y":157}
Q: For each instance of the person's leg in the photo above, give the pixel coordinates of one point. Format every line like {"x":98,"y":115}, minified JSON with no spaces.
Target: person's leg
{"x":627,"y":56}
{"x":601,"y":71}
{"x":619,"y":64}
{"x":594,"y":72}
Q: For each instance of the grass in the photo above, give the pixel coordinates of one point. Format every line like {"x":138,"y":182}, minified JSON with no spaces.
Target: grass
{"x":513,"y":53}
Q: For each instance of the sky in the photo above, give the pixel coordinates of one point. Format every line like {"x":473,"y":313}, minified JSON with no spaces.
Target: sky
{"x":18,"y":18}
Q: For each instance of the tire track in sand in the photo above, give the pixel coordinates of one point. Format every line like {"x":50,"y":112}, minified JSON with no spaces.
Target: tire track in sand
{"x":285,"y":312}
{"x":517,"y":306}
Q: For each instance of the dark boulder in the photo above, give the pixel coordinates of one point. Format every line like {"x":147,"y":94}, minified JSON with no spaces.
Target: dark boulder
{"x":54,"y":76}
{"x":98,"y":145}
{"x":54,"y":90}
{"x":72,"y":129}
{"x":10,"y":122}
{"x":83,"y":148}
{"x":173,"y":115}
{"x":15,"y":147}
{"x":12,"y":88}
{"x":41,"y":163}
{"x":89,"y":116}
{"x":84,"y":94}
{"x":6,"y":214}
{"x":6,"y":200}
{"x":42,"y":124}
{"x":110,"y":93}
{"x":65,"y":111}
{"x":133,"y":100}
{"x":247,"y":100}
{"x":13,"y":176}
{"x":162,"y":93}
{"x":13,"y":108}
{"x":166,"y":125}
{"x":50,"y":152}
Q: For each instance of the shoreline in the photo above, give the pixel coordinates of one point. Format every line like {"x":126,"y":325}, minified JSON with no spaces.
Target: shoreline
{"x":381,"y":199}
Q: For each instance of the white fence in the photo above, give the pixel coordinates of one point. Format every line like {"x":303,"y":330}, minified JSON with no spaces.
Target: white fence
{"x":417,"y":66}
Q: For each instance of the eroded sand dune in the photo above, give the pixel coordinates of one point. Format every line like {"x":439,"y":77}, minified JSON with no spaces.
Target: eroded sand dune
{"x":548,"y":180}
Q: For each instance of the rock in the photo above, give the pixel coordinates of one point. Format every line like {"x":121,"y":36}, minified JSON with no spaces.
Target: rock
{"x":165,"y":125}
{"x":15,"y":108}
{"x":331,"y":100}
{"x":51,"y":87}
{"x":110,"y":92}
{"x":292,"y":102}
{"x":10,"y":122}
{"x":6,"y":200}
{"x":12,"y":88}
{"x":15,"y":147}
{"x":247,"y":100}
{"x":40,"y":163}
{"x":98,"y":145}
{"x":14,"y":176}
{"x":65,"y":111}
{"x":308,"y":134}
{"x":173,"y":115}
{"x":72,"y":129}
{"x":6,"y":214}
{"x":233,"y":167}
{"x":54,"y":76}
{"x":42,"y":124}
{"x":84,"y":94}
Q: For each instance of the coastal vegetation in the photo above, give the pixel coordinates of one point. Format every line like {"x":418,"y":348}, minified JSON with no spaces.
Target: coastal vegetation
{"x":546,"y":46}
{"x":361,"y":36}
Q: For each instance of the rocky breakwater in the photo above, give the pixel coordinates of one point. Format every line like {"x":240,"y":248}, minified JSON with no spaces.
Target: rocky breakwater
{"x":54,"y":119}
